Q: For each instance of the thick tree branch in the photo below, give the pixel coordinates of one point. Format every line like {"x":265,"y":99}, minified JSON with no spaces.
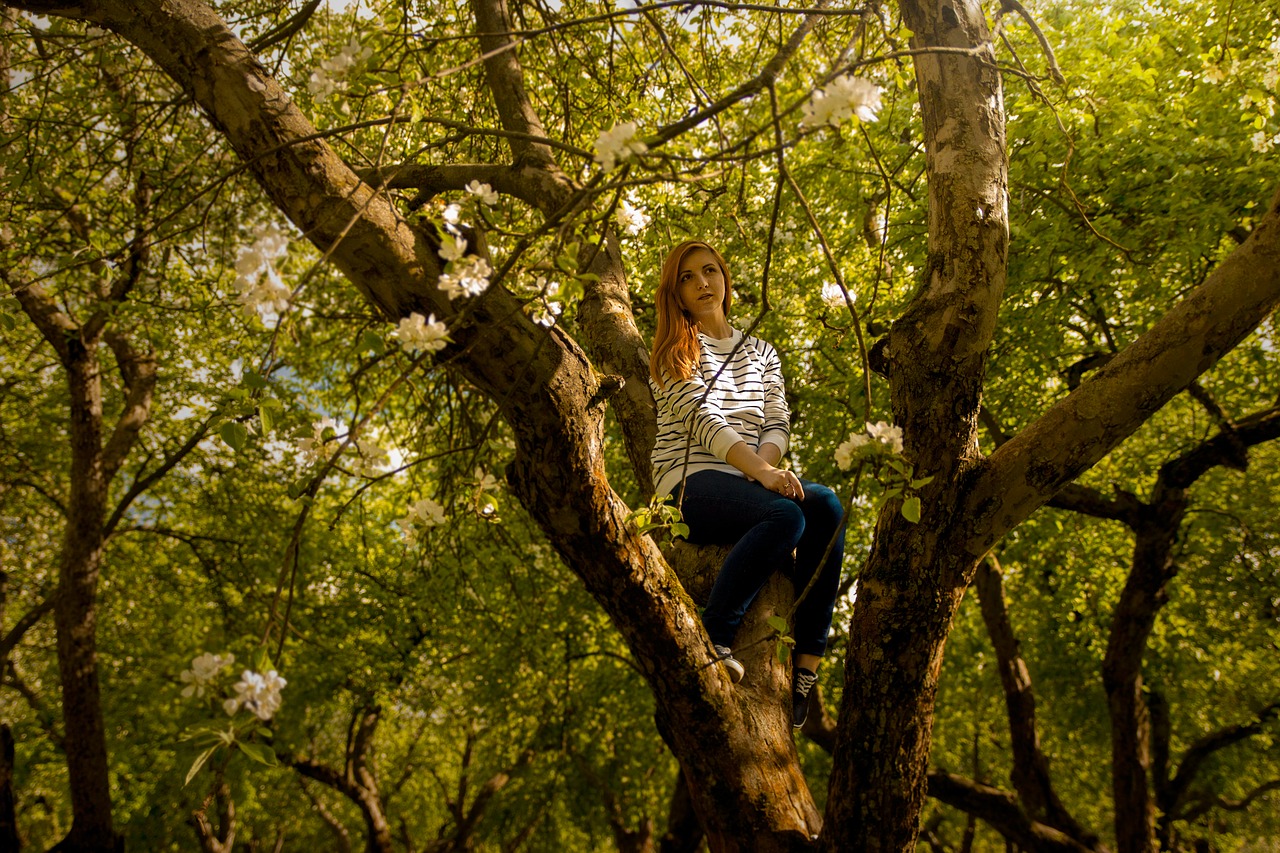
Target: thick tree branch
{"x":1074,"y":434}
{"x":138,"y":371}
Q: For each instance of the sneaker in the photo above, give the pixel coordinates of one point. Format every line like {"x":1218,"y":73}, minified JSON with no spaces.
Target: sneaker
{"x":802,"y":681}
{"x":724,"y":654}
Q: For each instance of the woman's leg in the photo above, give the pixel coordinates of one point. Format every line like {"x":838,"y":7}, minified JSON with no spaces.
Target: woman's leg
{"x":823,"y":514}
{"x":721,"y":509}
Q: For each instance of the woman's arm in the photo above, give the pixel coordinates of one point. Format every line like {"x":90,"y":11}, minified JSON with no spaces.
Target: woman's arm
{"x":751,"y":463}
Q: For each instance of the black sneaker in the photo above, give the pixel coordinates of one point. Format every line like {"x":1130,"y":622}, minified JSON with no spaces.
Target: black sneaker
{"x":725,"y":655}
{"x":802,"y":681}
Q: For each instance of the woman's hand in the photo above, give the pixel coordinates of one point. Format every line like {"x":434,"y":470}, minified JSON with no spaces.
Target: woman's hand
{"x":782,"y":482}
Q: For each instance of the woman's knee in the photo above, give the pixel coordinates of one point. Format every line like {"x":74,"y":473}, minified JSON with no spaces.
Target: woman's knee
{"x":787,"y":517}
{"x":823,"y":504}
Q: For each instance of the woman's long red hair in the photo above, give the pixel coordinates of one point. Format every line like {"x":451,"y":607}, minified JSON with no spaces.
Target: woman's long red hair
{"x":675,"y":343}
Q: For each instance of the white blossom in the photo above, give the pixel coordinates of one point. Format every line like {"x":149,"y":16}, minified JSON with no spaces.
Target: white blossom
{"x":467,"y":276}
{"x":452,"y":215}
{"x":421,"y":514}
{"x":833,"y":295}
{"x":259,"y":284}
{"x":844,"y":453}
{"x":886,"y":434}
{"x":545,"y":313}
{"x":631,"y":219}
{"x":258,"y":693}
{"x":844,"y":97}
{"x":483,"y":192}
{"x":618,"y":144}
{"x":453,"y":247}
{"x":204,"y":670}
{"x":418,"y":334}
{"x":372,"y":458}
{"x":329,"y":77}
{"x":312,"y":447}
{"x":878,"y":433}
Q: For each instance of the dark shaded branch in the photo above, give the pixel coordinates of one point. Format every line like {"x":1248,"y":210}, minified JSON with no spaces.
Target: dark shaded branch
{"x":24,"y":624}
{"x":1002,"y":811}
{"x":1030,"y":772}
{"x":1204,"y":748}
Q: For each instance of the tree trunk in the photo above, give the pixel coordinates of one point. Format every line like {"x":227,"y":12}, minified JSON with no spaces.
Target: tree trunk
{"x":916,"y":574}
{"x":75,"y":612}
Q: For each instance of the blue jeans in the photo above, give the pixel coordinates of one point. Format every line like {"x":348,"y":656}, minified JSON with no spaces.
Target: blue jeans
{"x":722,"y":509}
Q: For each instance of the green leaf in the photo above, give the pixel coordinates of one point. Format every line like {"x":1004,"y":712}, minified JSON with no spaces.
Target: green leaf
{"x":234,"y":434}
{"x":269,"y":413}
{"x":371,"y":341}
{"x":923,"y":481}
{"x":254,"y":380}
{"x":199,"y":762}
{"x":7,"y":322}
{"x":777,"y":623}
{"x":681,"y":530}
{"x":911,"y":509}
{"x":784,"y":651}
{"x":258,"y":752}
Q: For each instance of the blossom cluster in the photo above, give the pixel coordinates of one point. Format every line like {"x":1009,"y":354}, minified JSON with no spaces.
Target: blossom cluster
{"x":258,"y":693}
{"x":329,"y":77}
{"x":483,"y":193}
{"x":312,"y":447}
{"x":260,"y":287}
{"x":205,"y":669}
{"x":371,"y":459}
{"x":631,"y":218}
{"x":422,"y":514}
{"x":421,"y":334}
{"x":879,"y":437}
{"x":618,"y":144}
{"x":464,"y":275}
{"x":544,"y":309}
{"x":844,"y":97}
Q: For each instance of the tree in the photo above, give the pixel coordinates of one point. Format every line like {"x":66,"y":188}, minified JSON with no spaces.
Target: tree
{"x":552,"y":394}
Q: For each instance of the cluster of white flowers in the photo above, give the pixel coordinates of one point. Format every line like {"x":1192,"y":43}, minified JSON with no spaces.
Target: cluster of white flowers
{"x":467,"y":276}
{"x":312,"y":447}
{"x":422,"y":514}
{"x":876,"y":437}
{"x":260,"y":287}
{"x":258,"y":693}
{"x":618,"y":144}
{"x":205,"y":669}
{"x":328,"y":78}
{"x":1263,"y":142}
{"x":372,"y":458}
{"x":846,"y":96}
{"x":464,"y":275}
{"x":631,"y":219}
{"x":544,"y":310}
{"x":483,"y":193}
{"x":1271,"y":77}
{"x":834,"y":296}
{"x":421,"y":334}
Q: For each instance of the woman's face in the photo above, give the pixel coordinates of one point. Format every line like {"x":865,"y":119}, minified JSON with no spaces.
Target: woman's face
{"x":700,"y":285}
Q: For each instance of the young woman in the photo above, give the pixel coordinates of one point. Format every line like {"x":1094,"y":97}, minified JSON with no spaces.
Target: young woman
{"x":723,"y":426}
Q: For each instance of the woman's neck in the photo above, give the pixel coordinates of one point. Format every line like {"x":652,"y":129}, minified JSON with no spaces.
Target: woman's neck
{"x":718,"y":328}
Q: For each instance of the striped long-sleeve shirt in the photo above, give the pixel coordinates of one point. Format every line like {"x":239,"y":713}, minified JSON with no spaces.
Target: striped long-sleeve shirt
{"x":747,"y":402}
